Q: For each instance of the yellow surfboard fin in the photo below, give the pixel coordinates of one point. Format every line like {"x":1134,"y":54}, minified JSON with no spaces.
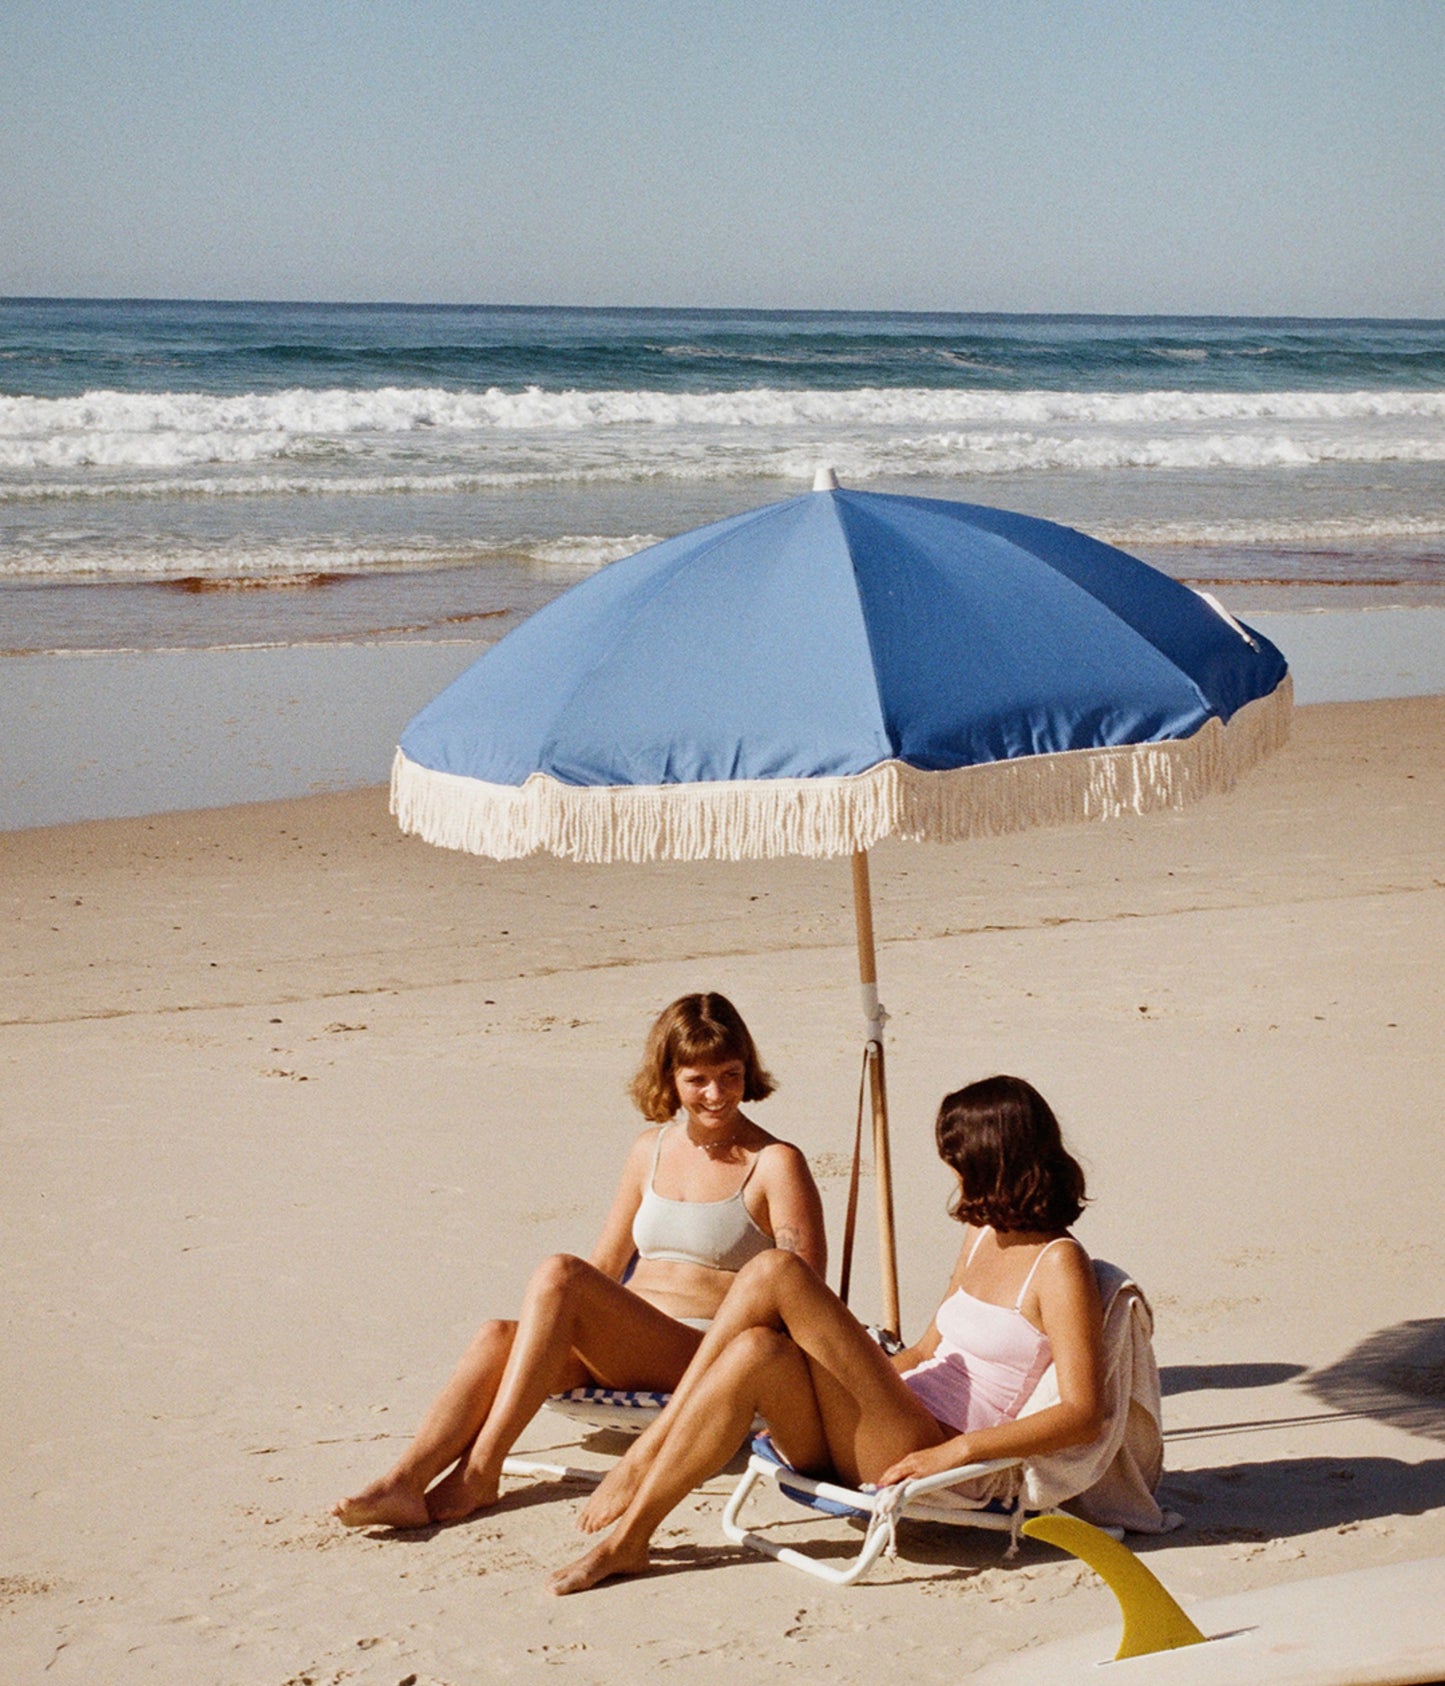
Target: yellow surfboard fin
{"x":1152,"y":1619}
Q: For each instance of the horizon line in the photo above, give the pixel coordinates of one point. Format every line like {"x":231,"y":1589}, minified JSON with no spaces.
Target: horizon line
{"x":11,"y":299}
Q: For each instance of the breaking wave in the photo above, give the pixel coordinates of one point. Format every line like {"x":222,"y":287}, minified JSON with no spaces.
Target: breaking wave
{"x":401,"y":439}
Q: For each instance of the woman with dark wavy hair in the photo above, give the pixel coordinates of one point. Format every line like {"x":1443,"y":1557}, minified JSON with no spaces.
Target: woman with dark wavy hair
{"x":784,"y":1347}
{"x":700,"y":1195}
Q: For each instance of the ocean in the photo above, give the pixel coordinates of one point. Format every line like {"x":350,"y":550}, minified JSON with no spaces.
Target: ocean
{"x":212,"y":475}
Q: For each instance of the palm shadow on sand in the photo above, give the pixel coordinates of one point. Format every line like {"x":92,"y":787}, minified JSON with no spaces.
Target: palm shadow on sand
{"x":1396,"y":1375}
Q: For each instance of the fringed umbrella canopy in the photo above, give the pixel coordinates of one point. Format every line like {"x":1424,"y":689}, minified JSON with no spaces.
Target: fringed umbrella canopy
{"x":822,"y":673}
{"x":819,"y":674}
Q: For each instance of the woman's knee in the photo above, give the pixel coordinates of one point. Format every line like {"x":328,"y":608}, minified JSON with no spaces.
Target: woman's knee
{"x":494,"y":1338}
{"x":757,"y":1349}
{"x":772,"y":1273}
{"x":560,"y":1275}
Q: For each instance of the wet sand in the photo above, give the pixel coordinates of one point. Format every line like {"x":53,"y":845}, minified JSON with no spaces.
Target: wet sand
{"x":117,"y":733}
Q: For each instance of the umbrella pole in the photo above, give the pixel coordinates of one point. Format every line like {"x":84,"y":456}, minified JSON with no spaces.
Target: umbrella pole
{"x":873,"y":1054}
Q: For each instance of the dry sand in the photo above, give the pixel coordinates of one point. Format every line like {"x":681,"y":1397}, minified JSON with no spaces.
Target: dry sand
{"x":291,"y":1101}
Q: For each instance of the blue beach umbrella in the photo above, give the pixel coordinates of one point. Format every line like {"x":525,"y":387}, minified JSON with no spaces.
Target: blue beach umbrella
{"x":821,"y":673}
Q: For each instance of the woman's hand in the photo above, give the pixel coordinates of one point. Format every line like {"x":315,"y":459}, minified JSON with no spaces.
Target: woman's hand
{"x":932,"y":1460}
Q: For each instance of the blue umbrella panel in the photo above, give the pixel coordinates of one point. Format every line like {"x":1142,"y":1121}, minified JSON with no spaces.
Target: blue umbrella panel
{"x":819,"y":674}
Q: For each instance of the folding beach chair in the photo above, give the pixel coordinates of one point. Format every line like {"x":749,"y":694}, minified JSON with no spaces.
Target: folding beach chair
{"x":928,"y":1499}
{"x":617,"y":1410}
{"x":1110,"y":1482}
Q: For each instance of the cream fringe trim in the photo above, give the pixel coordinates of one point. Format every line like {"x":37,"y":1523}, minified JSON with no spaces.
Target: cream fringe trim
{"x":753,"y":819}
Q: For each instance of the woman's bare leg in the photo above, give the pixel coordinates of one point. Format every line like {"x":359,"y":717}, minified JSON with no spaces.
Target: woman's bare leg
{"x":577,"y":1324}
{"x":760,"y":1370}
{"x":398,"y":1498}
{"x":613,"y":1493}
{"x":869,"y":1417}
{"x":750,"y":1304}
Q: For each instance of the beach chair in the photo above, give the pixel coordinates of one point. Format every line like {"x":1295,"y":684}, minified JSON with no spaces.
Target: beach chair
{"x":616,"y":1410}
{"x":928,"y":1499}
{"x":613,"y":1410}
{"x":1109,"y":1482}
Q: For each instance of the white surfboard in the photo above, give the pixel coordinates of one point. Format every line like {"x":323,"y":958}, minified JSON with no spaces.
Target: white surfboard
{"x":1382,"y":1626}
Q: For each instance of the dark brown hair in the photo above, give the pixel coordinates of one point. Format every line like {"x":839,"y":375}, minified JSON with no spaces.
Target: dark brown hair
{"x":695,"y":1030}
{"x":1001,"y":1137}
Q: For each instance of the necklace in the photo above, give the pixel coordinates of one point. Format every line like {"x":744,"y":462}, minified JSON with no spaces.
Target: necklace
{"x":716,"y":1148}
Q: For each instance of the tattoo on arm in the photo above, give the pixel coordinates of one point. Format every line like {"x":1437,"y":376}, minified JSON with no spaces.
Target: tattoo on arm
{"x":788,"y":1238}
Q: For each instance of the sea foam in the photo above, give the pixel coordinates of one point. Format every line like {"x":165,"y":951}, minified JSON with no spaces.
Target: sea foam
{"x":350,"y":440}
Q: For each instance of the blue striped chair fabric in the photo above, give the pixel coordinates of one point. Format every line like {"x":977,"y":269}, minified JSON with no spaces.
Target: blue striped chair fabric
{"x":628,"y":1410}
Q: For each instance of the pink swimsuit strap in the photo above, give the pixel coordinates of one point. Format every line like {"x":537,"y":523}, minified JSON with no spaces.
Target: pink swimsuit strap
{"x":1018,"y":1304}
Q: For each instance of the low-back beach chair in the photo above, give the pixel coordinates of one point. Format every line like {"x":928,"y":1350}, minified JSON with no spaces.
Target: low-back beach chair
{"x":613,"y":1410}
{"x":1109,"y":1482}
{"x":616,"y":1410}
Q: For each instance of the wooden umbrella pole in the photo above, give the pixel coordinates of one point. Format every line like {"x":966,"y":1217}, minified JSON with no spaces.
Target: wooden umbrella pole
{"x":878,"y":1088}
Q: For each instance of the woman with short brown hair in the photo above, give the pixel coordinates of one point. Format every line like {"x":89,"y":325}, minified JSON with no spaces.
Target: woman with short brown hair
{"x":700,"y":1196}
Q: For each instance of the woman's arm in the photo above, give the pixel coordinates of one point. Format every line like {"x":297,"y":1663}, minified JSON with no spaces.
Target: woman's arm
{"x":927,"y":1343}
{"x":910,"y":1357}
{"x":794,"y":1208}
{"x":614,"y":1248}
{"x":1069,"y":1311}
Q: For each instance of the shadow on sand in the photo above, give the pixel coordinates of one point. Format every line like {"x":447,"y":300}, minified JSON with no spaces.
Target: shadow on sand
{"x":1261,"y":1501}
{"x":1396,"y":1375}
{"x":1197,"y":1378}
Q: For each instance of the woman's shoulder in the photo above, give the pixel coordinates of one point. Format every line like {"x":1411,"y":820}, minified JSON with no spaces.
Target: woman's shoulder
{"x":1063,"y":1262}
{"x":647,"y":1141}
{"x":780,"y":1156}
{"x":782,"y":1168}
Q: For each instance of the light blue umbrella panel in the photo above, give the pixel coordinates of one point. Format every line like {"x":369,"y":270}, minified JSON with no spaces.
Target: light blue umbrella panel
{"x":821,"y":673}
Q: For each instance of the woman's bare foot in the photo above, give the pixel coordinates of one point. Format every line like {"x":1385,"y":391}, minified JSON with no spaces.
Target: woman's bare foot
{"x":461,"y":1494}
{"x":388,"y":1503}
{"x":610,"y":1498}
{"x":612,"y":1557}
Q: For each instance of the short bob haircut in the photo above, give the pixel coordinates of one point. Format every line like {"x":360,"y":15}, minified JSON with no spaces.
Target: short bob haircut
{"x":695,"y":1030}
{"x":1001,"y":1137}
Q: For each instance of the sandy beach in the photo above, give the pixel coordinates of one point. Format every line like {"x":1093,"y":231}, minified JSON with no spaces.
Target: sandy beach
{"x":292,"y":1101}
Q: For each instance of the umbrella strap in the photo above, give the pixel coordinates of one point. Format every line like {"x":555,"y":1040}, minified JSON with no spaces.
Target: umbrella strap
{"x":850,"y":1223}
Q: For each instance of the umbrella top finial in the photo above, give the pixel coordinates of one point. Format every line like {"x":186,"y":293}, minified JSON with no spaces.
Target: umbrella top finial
{"x":825,"y":480}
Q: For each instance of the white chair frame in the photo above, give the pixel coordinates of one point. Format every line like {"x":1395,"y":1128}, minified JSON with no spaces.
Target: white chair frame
{"x":612,"y":1409}
{"x":915,"y":1500}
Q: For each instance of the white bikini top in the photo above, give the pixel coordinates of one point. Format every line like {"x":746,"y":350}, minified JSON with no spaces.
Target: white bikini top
{"x":720,"y":1234}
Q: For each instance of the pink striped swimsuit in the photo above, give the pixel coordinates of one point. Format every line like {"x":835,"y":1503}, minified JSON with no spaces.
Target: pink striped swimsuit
{"x":988,"y":1360}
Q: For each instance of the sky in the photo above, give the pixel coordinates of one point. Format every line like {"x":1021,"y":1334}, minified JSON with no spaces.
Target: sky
{"x":1120,"y":156}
